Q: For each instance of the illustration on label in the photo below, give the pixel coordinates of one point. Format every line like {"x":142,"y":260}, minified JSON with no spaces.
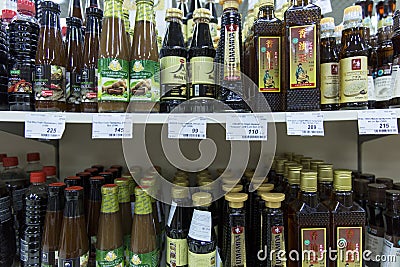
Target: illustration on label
{"x":143,"y":260}
{"x":353,"y":79}
{"x":329,"y":83}
{"x":15,"y":82}
{"x":313,"y":242}
{"x":113,"y":258}
{"x":113,"y":80}
{"x":350,"y":247}
{"x":177,"y":252}
{"x":89,"y":83}
{"x":232,"y":53}
{"x":49,"y":83}
{"x":145,"y":80}
{"x":269,"y":64}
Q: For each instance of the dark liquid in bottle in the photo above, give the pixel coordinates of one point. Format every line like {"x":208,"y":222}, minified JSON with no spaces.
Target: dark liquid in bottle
{"x":3,"y":68}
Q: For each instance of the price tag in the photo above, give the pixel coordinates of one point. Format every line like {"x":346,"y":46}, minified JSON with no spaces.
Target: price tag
{"x":111,"y":126}
{"x":377,"y":122}
{"x":246,"y":127}
{"x":44,"y":125}
{"x":305,"y":123}
{"x":185,"y":127}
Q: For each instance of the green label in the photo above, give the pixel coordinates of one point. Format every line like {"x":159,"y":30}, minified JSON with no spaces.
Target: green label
{"x":110,"y":258}
{"x":177,"y":252}
{"x":143,"y":260}
{"x":173,"y":70}
{"x":113,"y":79}
{"x":269,"y":64}
{"x":49,"y":83}
{"x":145,"y":80}
{"x":313,"y":242}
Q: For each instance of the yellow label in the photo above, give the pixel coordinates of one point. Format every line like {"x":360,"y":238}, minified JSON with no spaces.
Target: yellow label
{"x":145,"y":12}
{"x":329,"y":83}
{"x":232,"y":53}
{"x":350,"y":246}
{"x":173,"y":70}
{"x":313,"y":242}
{"x":190,"y":29}
{"x":113,"y":9}
{"x":142,"y":204}
{"x":353,"y":79}
{"x":269,"y":64}
{"x":123,"y":194}
{"x":238,"y":246}
{"x":277,"y":244}
{"x":177,"y":252}
{"x":109,"y":203}
{"x":202,"y":70}
{"x":203,"y":260}
{"x":303,"y":57}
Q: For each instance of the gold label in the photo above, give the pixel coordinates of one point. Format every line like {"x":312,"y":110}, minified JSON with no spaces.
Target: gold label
{"x":269,"y":64}
{"x":143,"y":204}
{"x":313,"y":242}
{"x":124,"y":194}
{"x":177,"y":252}
{"x":173,"y":70}
{"x":145,"y":12}
{"x":232,"y":53}
{"x":190,"y":29}
{"x":303,"y":57}
{"x":350,"y":247}
{"x":238,"y":246}
{"x":329,"y":83}
{"x":202,"y":70}
{"x":203,"y":260}
{"x":109,"y":203}
{"x":277,"y":244}
{"x":354,"y":79}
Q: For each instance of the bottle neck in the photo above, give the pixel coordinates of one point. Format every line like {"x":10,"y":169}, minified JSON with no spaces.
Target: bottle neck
{"x":174,"y":36}
{"x":113,"y":8}
{"x":267,"y":12}
{"x":195,"y":4}
{"x":74,"y":33}
{"x":95,"y":194}
{"x":300,"y":2}
{"x":93,"y":25}
{"x":201,"y":34}
{"x":123,"y":195}
{"x":109,"y":203}
{"x":309,"y":198}
{"x":50,"y":19}
{"x":73,"y":207}
{"x":344,"y":197}
{"x":75,"y":9}
{"x":143,"y":205}
{"x":56,"y":202}
{"x":144,"y":11}
{"x":204,"y":208}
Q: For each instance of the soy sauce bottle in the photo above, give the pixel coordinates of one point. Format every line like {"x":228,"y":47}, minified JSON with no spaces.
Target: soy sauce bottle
{"x":210,"y":5}
{"x":182,"y":6}
{"x":194,"y":5}
{"x":7,"y":232}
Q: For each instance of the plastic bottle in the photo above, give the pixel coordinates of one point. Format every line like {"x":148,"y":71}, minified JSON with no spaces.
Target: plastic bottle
{"x":33,"y":165}
{"x":51,"y":174}
{"x":7,"y":233}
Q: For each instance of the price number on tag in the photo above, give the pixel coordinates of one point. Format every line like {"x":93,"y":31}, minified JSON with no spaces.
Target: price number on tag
{"x":111,"y":126}
{"x":376,"y":122}
{"x":44,"y":125}
{"x":186,"y":127}
{"x":250,"y":127}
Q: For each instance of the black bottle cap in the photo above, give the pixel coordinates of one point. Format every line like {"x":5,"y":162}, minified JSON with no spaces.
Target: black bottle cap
{"x":386,"y":181}
{"x":94,"y":11}
{"x":368,"y":176}
{"x":376,"y":193}
{"x":50,"y":5}
{"x":73,"y":21}
{"x":361,"y":187}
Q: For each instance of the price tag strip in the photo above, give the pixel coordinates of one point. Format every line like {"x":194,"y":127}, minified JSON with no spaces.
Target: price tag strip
{"x":187,"y":127}
{"x":246,"y":127}
{"x":112,"y":126}
{"x":44,"y":125}
{"x":377,"y":122}
{"x":305,"y":123}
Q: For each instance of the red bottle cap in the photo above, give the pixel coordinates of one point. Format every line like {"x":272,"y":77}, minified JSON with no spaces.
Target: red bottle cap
{"x":2,"y":156}
{"x":74,"y":188}
{"x":50,"y":170}
{"x":8,"y":14}
{"x":58,"y":184}
{"x":38,"y":177}
{"x":10,"y":161}
{"x":33,"y":156}
{"x":26,"y":5}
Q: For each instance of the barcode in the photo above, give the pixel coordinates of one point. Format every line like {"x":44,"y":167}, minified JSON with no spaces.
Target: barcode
{"x":312,"y":132}
{"x":194,"y":135}
{"x":115,"y":135}
{"x":254,"y":136}
{"x":384,"y":131}
{"x":48,"y":135}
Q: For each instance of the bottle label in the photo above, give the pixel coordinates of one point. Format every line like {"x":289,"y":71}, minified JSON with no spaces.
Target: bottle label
{"x":354,"y":79}
{"x":190,"y":30}
{"x":277,"y":244}
{"x":383,"y":84}
{"x":143,"y":204}
{"x":330,"y":83}
{"x":73,"y":87}
{"x":350,"y":247}
{"x":391,"y":248}
{"x":127,"y":246}
{"x":201,"y":225}
{"x":16,"y":82}
{"x":82,"y":261}
{"x":171,"y":213}
{"x":396,"y":81}
{"x":109,"y":204}
{"x":202,"y":70}
{"x":313,"y":242}
{"x":110,"y":258}
{"x":89,"y":82}
{"x":143,"y":260}
{"x":113,"y":80}
{"x":177,"y":252}
{"x":371,"y":88}
{"x":173,"y":70}
{"x":232,"y":53}
{"x":50,"y":259}
{"x":203,"y":260}
{"x":214,"y":32}
{"x":269,"y":64}
{"x":49,"y":83}
{"x":145,"y":80}
{"x":303,"y":57}
{"x":238,"y":246}
{"x":374,"y":241}
{"x":145,"y":12}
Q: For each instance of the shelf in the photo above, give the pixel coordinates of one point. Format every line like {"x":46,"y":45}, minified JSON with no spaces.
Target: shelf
{"x":140,"y":118}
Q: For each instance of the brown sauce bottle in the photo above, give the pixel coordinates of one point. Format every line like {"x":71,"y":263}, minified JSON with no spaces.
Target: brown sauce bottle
{"x":75,"y":9}
{"x":74,"y":247}
{"x":113,"y":63}
{"x":49,"y":79}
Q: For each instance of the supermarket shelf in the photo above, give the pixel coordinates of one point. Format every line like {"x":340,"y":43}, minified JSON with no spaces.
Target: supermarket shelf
{"x":140,"y":118}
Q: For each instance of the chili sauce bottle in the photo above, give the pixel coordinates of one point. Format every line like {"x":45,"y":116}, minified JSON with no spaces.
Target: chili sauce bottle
{"x":89,"y":79}
{"x":110,"y":245}
{"x":49,"y":77}
{"x":302,"y":33}
{"x":173,"y":56}
{"x":113,"y":61}
{"x":144,"y":76}
{"x":182,"y":6}
{"x":353,"y":64}
{"x":391,"y":218}
{"x":194,"y":5}
{"x":52,"y":225}
{"x":74,"y":247}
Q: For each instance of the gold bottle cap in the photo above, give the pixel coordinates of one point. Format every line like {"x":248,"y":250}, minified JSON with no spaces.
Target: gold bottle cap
{"x":259,"y":180}
{"x":327,"y":23}
{"x":181,"y":174}
{"x":308,"y":181}
{"x":181,"y":183}
{"x":236,"y":200}
{"x":342,"y":180}
{"x":325,"y":172}
{"x":179,"y":179}
{"x":249,"y":174}
{"x":265,"y":188}
{"x":204,"y":171}
{"x":231,"y":180}
{"x":203,"y":178}
{"x":205,"y":182}
{"x":352,"y":14}
{"x":314,"y":164}
{"x":201,"y":13}
{"x":280,"y":167}
{"x":202,"y":199}
{"x":180,"y":192}
{"x":231,"y":188}
{"x":174,"y":13}
{"x":273,"y":200}
{"x":294,"y":174}
{"x":306,"y":162}
{"x":297,"y":158}
{"x":286,"y":165}
{"x":289,"y":156}
{"x":230,"y":3}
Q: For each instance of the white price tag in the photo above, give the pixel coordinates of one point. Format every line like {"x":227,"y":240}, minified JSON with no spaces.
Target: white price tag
{"x":246,"y":127}
{"x":111,"y":126}
{"x":185,"y":127}
{"x":377,"y":122}
{"x":305,"y":123}
{"x":44,"y":125}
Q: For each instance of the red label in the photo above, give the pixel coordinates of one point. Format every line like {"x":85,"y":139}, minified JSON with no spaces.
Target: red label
{"x":335,"y":69}
{"x":276,"y":230}
{"x":356,"y":64}
{"x":47,"y":93}
{"x":237,"y":230}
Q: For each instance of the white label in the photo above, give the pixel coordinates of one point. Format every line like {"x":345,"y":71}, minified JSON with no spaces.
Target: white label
{"x":44,"y":125}
{"x":377,"y":122}
{"x":112,"y":126}
{"x":383,"y":90}
{"x":371,"y":89}
{"x":396,"y":81}
{"x":246,"y":127}
{"x":219,"y":260}
{"x":185,"y":127}
{"x":325,"y":5}
{"x":171,"y":213}
{"x":391,"y":253}
{"x":375,"y":245}
{"x":201,"y":225}
{"x":305,"y":123}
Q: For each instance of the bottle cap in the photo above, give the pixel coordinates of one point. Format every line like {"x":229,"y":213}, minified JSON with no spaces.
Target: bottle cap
{"x":249,"y":174}
{"x":180,"y":179}
{"x":26,"y":5}
{"x":99,"y":167}
{"x":94,"y":11}
{"x":273,"y":200}
{"x":202,"y":176}
{"x":150,"y":182}
{"x":352,"y":13}
{"x":108,"y":176}
{"x":265,"y":188}
{"x":376,"y":193}
{"x":180,"y":172}
{"x":113,"y":171}
{"x":181,"y":183}
{"x":93,"y":171}
{"x":54,"y":187}
{"x":37,"y":177}
{"x":109,"y":189}
{"x":306,"y":162}
{"x":179,"y":192}
{"x":182,"y":175}
{"x":396,"y":186}
{"x":368,"y":176}
{"x":286,"y":166}
{"x":236,"y":200}
{"x":8,"y":14}
{"x":10,"y":161}
{"x":2,"y":156}
{"x":202,"y":13}
{"x":327,"y":24}
{"x":342,"y":180}
{"x":174,"y":13}
{"x":230,"y":180}
{"x":360,"y":187}
{"x":116,"y":166}
{"x":205,"y":182}
{"x":280,"y":165}
{"x":122,"y":181}
{"x":325,"y":173}
{"x":33,"y":156}
{"x":97,"y":181}
{"x":230,"y":3}
{"x":386,"y":181}
{"x":50,"y":5}
{"x":294,"y":174}
{"x":83,"y":174}
{"x":297,"y":158}
{"x":308,"y":181}
{"x":314,"y":164}
{"x":202,"y":199}
{"x":232,"y":188}
{"x":50,"y":170}
{"x":289,"y":156}
{"x":73,"y":192}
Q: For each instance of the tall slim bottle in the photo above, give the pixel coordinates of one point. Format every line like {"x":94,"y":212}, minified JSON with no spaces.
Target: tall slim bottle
{"x":75,"y":9}
{"x":182,"y":6}
{"x":210,"y":5}
{"x":194,"y":5}
{"x":325,"y":182}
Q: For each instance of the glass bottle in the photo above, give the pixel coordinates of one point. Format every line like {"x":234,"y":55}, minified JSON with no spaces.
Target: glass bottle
{"x":308,"y":221}
{"x":372,"y":70}
{"x":52,"y":225}
{"x":110,"y":245}
{"x":361,"y":192}
{"x":376,"y":230}
{"x":182,"y":6}
{"x":386,"y":181}
{"x":51,"y":174}
{"x":144,"y":66}
{"x":93,"y":171}
{"x":395,"y":101}
{"x":99,"y":167}
{"x":173,"y":56}
{"x":75,"y":9}
{"x":194,"y":5}
{"x":74,"y":247}
{"x":302,"y":33}
{"x":108,"y":177}
{"x":113,"y":61}
{"x":49,"y":77}
{"x":368,"y":176}
{"x":73,"y":181}
{"x":325,"y":182}
{"x":353,"y":61}
{"x":347,"y":221}
{"x":119,"y":168}
{"x":33,"y":163}
{"x":210,"y":5}
{"x":4,"y":72}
